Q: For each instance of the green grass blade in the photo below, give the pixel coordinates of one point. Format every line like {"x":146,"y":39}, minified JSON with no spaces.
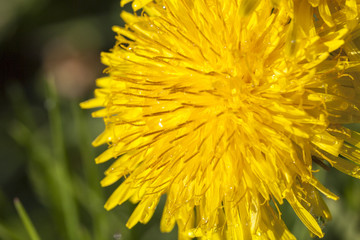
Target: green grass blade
{"x":26,"y":220}
{"x":62,"y":175}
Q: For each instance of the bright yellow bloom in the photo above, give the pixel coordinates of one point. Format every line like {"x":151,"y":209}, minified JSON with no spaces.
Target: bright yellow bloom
{"x":224,"y":105}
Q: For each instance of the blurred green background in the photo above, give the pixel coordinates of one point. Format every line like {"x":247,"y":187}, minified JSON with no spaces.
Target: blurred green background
{"x":49,"y":60}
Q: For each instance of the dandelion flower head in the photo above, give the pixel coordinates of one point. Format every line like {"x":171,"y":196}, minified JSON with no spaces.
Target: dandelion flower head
{"x":224,"y":106}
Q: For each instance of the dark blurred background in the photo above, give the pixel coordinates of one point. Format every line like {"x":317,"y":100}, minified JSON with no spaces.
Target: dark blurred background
{"x":49,"y":60}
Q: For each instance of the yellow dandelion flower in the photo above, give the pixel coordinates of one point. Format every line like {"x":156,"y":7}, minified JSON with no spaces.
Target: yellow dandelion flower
{"x":224,"y":105}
